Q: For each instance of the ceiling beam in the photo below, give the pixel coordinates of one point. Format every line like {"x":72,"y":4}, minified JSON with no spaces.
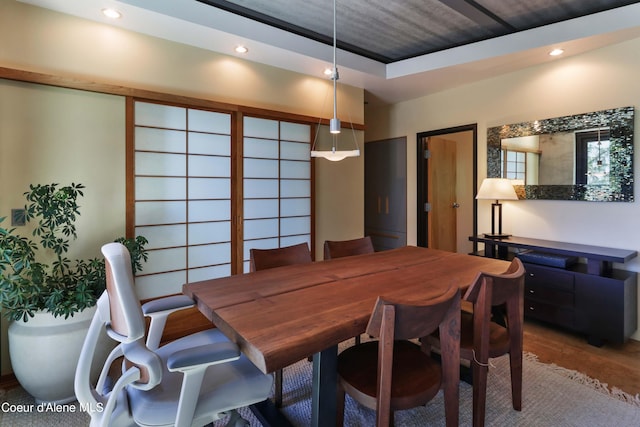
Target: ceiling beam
{"x":477,"y":13}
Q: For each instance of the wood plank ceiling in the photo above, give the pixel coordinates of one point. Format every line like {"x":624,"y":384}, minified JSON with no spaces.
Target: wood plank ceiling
{"x":390,"y":31}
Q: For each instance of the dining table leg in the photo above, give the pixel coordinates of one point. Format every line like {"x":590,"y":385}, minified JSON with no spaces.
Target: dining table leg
{"x":323,"y":394}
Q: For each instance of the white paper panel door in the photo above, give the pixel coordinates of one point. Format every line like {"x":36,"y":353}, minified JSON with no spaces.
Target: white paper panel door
{"x":276,"y":184}
{"x":182,"y":181}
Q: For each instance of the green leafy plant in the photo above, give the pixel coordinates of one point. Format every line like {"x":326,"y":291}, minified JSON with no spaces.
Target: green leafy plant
{"x":61,"y":287}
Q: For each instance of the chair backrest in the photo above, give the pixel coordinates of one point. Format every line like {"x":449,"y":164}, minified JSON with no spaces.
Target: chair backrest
{"x":262,"y":259}
{"x":502,"y":286}
{"x":393,"y":323}
{"x":342,"y":248}
{"x":491,"y":290}
{"x":408,"y":320}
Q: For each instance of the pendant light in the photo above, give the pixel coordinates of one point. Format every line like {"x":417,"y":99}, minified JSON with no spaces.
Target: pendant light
{"x":334,"y":124}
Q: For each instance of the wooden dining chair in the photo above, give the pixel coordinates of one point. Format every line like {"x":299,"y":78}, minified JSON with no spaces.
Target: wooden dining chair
{"x":262,"y":259}
{"x":393,"y":373}
{"x":341,"y":248}
{"x":485,"y":336}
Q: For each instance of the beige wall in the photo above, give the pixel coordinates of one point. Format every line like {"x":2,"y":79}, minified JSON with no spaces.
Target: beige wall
{"x":606,"y":78}
{"x":39,"y":40}
{"x":339,"y":190}
{"x":59,"y":135}
{"x":52,"y":134}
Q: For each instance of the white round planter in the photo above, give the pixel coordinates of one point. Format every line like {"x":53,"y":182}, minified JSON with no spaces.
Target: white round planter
{"x":44,"y":354}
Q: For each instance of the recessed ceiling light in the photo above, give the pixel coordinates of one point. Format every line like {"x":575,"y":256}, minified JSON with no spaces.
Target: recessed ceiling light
{"x":556,"y":52}
{"x":328,"y":71}
{"x":111,"y":13}
{"x":241,"y":49}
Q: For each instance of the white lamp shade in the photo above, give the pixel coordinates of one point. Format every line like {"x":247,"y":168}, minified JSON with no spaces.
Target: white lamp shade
{"x":497,"y":189}
{"x":335,"y":155}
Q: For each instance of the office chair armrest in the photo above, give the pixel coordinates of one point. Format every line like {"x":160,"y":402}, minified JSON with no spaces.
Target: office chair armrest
{"x":159,"y":310}
{"x":102,"y":384}
{"x":167,"y":305}
{"x":193,"y":363}
{"x":203,"y":356}
{"x":129,"y":376}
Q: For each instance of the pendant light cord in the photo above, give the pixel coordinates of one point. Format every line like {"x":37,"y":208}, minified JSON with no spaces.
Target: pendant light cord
{"x":334,"y":77}
{"x":335,"y":66}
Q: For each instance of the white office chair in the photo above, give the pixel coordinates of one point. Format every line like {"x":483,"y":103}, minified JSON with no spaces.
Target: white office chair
{"x":191,"y":381}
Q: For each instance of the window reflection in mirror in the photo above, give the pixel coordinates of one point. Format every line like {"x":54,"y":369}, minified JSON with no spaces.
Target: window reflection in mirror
{"x":593,"y":162}
{"x":521,"y":158}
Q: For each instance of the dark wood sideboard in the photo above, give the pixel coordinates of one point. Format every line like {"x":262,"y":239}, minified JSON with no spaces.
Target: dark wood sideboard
{"x":589,"y":296}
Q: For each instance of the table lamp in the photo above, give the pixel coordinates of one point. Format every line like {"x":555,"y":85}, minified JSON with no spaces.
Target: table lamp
{"x":496,"y":189}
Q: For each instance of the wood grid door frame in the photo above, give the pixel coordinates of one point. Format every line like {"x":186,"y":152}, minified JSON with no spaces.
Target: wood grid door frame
{"x":423,"y":176}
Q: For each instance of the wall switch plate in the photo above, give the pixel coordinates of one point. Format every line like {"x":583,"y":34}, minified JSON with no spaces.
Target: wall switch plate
{"x":18,"y":217}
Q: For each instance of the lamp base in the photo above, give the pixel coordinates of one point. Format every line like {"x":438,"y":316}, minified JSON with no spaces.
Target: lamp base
{"x":496,"y":236}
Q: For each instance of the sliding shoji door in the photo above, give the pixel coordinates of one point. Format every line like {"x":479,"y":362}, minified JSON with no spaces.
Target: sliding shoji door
{"x":276,"y":184}
{"x":184,"y":191}
{"x":182,"y":181}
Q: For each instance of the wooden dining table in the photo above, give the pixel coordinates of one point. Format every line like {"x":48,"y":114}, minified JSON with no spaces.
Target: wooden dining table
{"x":283,"y":315}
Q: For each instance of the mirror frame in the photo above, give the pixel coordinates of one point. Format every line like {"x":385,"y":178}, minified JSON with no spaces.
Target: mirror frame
{"x":620,"y":123}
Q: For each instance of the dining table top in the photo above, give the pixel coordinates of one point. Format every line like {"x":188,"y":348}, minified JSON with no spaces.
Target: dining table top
{"x":282,"y":315}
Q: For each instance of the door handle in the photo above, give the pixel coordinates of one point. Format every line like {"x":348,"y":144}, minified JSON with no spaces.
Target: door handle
{"x":455,"y":205}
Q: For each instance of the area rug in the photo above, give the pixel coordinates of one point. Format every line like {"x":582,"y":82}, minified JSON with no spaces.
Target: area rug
{"x":552,"y":397}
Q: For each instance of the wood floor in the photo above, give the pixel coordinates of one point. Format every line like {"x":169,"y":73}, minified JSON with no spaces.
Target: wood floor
{"x":616,"y":365}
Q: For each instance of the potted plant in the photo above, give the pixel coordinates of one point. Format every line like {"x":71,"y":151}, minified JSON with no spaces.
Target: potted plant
{"x":49,"y":298}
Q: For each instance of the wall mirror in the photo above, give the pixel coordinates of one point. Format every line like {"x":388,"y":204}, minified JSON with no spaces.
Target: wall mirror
{"x":585,"y":157}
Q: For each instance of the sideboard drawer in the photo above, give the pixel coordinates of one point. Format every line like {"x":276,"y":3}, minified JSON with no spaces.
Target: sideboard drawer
{"x":549,"y":277}
{"x":549,"y":313}
{"x":552,"y":295}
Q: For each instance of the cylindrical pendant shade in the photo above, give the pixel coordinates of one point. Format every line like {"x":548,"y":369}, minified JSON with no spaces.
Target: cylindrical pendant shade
{"x":334,"y":125}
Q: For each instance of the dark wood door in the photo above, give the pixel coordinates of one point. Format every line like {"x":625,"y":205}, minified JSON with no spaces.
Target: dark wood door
{"x":385,"y":200}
